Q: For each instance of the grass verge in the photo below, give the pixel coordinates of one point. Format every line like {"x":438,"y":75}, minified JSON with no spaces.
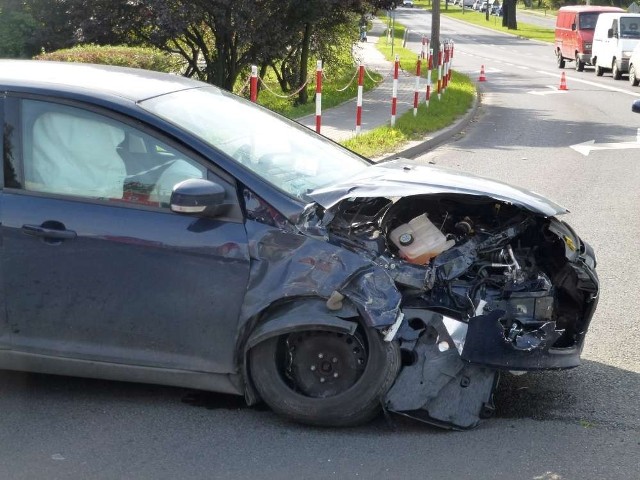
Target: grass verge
{"x":439,"y":114}
{"x":525,"y":30}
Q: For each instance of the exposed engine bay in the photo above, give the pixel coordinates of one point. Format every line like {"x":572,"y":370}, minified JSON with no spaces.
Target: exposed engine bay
{"x":486,"y":286}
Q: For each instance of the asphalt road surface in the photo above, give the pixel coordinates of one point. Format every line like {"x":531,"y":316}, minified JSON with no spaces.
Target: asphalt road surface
{"x":579,"y":424}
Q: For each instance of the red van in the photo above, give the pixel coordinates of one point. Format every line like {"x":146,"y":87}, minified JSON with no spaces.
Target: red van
{"x":574,"y":33}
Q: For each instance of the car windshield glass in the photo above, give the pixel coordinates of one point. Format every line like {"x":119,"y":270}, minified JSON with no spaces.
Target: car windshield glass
{"x":587,"y":21}
{"x":629,"y":27}
{"x":282,"y":152}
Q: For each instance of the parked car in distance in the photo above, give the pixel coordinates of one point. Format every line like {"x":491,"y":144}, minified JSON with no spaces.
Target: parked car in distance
{"x":614,"y":39}
{"x":159,"y":229}
{"x":407,"y":3}
{"x":634,"y":66}
{"x":574,"y":33}
{"x":496,"y":9}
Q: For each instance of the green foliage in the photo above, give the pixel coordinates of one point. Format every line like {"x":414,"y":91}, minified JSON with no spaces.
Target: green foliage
{"x":16,"y":29}
{"x":134,"y":57}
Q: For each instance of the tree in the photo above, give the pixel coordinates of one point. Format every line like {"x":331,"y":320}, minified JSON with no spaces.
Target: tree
{"x":17,"y":27}
{"x":435,"y":31}
{"x":217,"y":39}
{"x":509,"y":14}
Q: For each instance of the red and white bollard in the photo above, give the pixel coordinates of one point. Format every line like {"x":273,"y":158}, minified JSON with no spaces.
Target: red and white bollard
{"x":440,"y":61}
{"x":394,"y":94}
{"x":444,"y":68}
{"x":416,"y":93}
{"x":359,"y":101}
{"x":450,"y":61}
{"x":253,"y":84}
{"x":429,"y":68}
{"x":318,"y":95}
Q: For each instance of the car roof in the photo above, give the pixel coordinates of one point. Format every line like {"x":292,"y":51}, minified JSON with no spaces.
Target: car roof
{"x":100,"y":80}
{"x":589,"y":8}
{"x":604,"y":16}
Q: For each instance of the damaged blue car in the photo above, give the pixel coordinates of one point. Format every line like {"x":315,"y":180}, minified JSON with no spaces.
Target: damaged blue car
{"x":157,"y":229}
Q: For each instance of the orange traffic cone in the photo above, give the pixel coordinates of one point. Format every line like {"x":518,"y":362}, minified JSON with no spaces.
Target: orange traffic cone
{"x":563,"y":82}
{"x":482,"y":78}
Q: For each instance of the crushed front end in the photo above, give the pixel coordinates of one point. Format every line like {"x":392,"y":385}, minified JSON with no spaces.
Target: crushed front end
{"x":486,"y":285}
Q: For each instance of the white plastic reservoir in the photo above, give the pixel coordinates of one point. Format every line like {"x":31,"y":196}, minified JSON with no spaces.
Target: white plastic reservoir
{"x":420,"y":240}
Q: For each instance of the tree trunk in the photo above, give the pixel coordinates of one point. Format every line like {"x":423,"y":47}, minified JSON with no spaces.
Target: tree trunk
{"x":435,"y":31}
{"x":509,"y":14}
{"x":303,"y":96}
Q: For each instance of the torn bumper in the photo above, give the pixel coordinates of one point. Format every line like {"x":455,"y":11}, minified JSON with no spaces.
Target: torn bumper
{"x":454,"y":365}
{"x":438,"y":387}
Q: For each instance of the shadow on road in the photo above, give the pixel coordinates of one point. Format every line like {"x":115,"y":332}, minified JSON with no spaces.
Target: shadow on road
{"x":592,"y":394}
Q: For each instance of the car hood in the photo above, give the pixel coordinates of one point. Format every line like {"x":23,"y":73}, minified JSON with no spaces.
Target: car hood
{"x":401,"y":178}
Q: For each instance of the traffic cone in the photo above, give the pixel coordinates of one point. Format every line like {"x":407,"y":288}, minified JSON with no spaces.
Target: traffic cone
{"x":563,"y":82}
{"x":482,"y":78}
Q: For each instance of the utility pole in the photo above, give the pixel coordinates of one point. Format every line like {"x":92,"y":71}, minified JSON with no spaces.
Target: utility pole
{"x":435,"y":30}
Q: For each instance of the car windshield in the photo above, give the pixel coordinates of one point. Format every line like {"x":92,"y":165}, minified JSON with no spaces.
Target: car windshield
{"x":587,"y":20}
{"x":629,"y":27}
{"x":284,"y":153}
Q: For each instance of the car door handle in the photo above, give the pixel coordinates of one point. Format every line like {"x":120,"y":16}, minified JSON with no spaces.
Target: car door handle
{"x":38,"y":231}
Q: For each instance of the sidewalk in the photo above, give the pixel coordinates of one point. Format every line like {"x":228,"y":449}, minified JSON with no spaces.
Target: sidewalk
{"x":339,"y":123}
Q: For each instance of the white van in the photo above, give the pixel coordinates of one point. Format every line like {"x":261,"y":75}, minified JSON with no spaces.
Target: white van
{"x":615,"y":37}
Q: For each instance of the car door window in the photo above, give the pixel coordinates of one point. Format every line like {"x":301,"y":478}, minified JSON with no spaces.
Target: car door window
{"x":72,"y":151}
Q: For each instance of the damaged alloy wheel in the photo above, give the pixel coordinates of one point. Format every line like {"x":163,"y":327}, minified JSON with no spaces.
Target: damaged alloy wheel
{"x":325,"y":378}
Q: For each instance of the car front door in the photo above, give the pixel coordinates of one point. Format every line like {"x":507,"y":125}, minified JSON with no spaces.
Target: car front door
{"x":99,"y":268}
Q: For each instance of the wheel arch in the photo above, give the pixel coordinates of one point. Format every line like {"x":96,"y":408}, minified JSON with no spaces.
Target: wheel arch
{"x":294,"y":315}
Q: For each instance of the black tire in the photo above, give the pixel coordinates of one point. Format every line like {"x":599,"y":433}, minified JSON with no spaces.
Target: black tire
{"x":615,"y":71}
{"x":599,"y":70}
{"x":579,"y":64}
{"x":560,"y":60}
{"x":633,"y":76}
{"x":357,"y":403}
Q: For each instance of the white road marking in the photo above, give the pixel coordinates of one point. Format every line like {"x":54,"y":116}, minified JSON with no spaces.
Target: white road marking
{"x":587,"y":147}
{"x":593,"y":84}
{"x":553,"y":90}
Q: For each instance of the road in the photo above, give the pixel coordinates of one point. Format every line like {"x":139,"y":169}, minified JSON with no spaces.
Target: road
{"x":579,"y":424}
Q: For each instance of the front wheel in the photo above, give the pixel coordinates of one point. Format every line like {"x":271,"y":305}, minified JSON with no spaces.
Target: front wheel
{"x":599,"y":70}
{"x":325,"y":378}
{"x":633,"y":76}
{"x":579,"y":64}
{"x":560,"y":60}
{"x":615,"y":71}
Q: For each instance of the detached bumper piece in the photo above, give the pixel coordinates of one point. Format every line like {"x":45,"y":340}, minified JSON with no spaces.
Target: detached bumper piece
{"x":487,"y":344}
{"x":439,"y":388}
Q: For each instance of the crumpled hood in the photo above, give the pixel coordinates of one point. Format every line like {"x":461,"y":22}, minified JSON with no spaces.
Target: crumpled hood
{"x":401,"y":178}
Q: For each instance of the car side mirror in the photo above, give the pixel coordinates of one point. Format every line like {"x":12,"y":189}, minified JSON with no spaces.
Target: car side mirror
{"x":199,"y":196}
{"x":610,"y":33}
{"x":635,"y":106}
{"x":573,"y":27}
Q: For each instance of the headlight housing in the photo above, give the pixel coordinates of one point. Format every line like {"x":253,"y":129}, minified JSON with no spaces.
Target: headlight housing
{"x":626,"y":54}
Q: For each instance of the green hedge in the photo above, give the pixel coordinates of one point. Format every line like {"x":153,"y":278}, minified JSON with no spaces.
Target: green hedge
{"x":134,"y":57}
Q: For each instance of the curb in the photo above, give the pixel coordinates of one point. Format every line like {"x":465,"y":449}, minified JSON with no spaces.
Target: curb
{"x":441,"y":136}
